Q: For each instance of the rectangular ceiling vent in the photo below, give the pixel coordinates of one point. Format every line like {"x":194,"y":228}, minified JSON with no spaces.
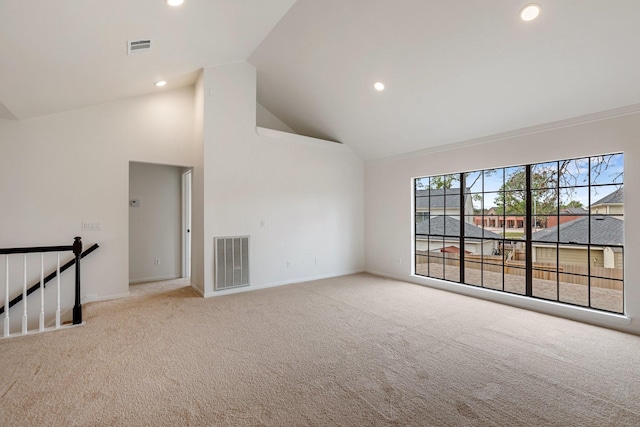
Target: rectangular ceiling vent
{"x":231,"y":262}
{"x":135,"y":47}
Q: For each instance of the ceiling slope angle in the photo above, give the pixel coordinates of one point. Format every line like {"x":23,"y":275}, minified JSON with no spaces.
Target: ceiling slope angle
{"x":453,"y":71}
{"x":79,"y":58}
{"x":5,"y":113}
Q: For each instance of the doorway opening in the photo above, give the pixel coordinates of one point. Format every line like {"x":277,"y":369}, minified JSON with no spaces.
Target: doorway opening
{"x":159,"y":222}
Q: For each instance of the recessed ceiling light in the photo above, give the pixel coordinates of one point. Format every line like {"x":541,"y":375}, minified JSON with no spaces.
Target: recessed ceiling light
{"x":175,"y":2}
{"x":379,"y":86}
{"x":530,"y":12}
{"x":160,"y":83}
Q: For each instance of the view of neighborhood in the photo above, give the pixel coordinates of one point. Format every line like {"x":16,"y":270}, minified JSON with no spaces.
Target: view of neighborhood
{"x":575,"y":209}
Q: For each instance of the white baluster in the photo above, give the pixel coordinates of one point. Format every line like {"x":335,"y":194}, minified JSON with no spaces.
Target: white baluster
{"x":42,"y":291}
{"x":58,"y":306}
{"x":6,"y":296}
{"x":25,"y":316}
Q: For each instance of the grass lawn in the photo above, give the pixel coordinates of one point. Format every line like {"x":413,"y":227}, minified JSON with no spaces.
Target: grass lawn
{"x":513,"y":235}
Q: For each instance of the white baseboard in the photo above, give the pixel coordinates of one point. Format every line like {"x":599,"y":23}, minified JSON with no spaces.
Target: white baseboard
{"x":85,"y":300}
{"x":390,"y":276}
{"x":153,"y":279}
{"x":249,"y":288}
{"x":198,"y":290}
{"x":93,"y":297}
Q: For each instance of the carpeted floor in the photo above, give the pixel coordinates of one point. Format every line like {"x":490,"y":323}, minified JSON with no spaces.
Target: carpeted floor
{"x":351,"y":351}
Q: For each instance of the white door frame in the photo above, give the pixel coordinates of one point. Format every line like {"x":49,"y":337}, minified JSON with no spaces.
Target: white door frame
{"x":186,"y":223}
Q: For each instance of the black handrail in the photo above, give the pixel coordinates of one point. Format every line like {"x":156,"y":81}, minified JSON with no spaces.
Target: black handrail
{"x":50,"y":277}
{"x":77,"y":251}
{"x":36,"y":249}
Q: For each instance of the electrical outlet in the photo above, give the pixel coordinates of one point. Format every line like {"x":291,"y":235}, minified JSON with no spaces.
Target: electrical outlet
{"x":289,"y":264}
{"x":262,"y":223}
{"x":399,"y":260}
{"x":156,"y":261}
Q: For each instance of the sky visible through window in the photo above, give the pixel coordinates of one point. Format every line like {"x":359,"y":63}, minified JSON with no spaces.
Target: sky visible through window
{"x":573,"y":177}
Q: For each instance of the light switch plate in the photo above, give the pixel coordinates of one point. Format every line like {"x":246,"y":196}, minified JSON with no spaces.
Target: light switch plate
{"x":92,"y":226}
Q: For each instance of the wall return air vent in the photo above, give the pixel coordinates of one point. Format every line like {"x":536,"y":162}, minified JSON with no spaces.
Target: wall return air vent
{"x":136,"y":47}
{"x":231,"y":262}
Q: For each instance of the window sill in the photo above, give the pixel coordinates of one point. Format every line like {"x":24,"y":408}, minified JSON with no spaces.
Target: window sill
{"x":581,"y":314}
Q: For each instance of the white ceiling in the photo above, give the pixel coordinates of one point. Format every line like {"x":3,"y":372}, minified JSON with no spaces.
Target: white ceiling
{"x":58,"y":55}
{"x":454,"y":69}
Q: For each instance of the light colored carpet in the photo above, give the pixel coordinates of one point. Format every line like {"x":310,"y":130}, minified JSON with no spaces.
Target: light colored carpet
{"x":352,"y":351}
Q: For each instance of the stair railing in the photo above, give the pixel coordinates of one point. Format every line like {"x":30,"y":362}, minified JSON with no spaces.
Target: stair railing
{"x":76,"y":248}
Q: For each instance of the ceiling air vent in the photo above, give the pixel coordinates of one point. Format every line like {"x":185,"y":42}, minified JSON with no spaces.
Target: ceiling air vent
{"x":135,"y":47}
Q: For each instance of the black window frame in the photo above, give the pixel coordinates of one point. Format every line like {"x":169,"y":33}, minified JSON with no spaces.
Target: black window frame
{"x":441,"y":234}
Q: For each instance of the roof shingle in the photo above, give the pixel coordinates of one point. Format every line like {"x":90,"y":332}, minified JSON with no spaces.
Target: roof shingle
{"x":438,"y":198}
{"x":617,"y":197}
{"x":449,"y":226}
{"x":605,"y":230}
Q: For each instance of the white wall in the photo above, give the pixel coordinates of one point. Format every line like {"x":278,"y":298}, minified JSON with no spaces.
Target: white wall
{"x":155,"y":225}
{"x":197,"y":190}
{"x":308,"y":193}
{"x":388,"y":203}
{"x":266,"y":119}
{"x":60,"y":170}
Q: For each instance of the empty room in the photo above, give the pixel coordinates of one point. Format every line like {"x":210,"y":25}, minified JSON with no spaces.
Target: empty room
{"x":318,"y":213}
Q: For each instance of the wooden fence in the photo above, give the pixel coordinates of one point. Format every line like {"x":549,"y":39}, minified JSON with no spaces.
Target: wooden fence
{"x":607,"y":278}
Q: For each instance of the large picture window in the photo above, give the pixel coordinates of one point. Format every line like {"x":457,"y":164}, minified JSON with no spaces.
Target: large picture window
{"x":551,"y":231}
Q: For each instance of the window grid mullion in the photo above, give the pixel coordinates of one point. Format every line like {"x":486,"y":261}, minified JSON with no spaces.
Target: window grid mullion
{"x":543,"y":190}
{"x":527,"y":222}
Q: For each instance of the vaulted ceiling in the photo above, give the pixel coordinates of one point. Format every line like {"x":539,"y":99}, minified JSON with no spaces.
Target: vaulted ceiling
{"x":58,"y":55}
{"x":454,"y":70}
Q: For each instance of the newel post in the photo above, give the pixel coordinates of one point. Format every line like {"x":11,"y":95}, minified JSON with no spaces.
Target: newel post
{"x":77,"y":308}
